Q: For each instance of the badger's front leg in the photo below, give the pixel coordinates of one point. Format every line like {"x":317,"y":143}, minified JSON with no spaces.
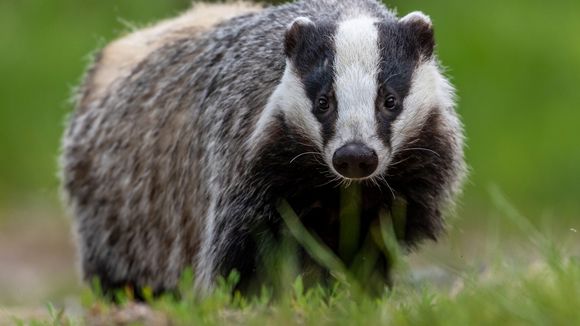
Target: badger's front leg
{"x":234,"y":238}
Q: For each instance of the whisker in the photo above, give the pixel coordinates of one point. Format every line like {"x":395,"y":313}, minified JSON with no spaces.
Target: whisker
{"x":399,"y":162}
{"x":346,"y":182}
{"x":389,"y":186}
{"x":375,"y":182}
{"x":333,"y":178}
{"x":300,"y":155}
{"x":419,"y":149}
{"x":318,"y":159}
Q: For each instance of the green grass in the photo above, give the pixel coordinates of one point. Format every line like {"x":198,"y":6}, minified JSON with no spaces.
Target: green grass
{"x":545,"y":292}
{"x":537,"y":284}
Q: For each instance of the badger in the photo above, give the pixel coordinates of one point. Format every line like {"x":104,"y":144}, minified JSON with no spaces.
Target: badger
{"x":187,"y":134}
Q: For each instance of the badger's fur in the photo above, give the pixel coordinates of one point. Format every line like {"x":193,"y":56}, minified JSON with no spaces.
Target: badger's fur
{"x":187,"y":134}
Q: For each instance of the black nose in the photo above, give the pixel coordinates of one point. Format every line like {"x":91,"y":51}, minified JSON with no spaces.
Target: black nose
{"x":355,"y":160}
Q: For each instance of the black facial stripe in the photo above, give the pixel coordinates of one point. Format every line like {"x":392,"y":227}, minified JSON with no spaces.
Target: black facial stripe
{"x":399,"y":58}
{"x":314,"y":64}
{"x":320,"y":83}
{"x":328,"y":121}
{"x":316,"y":45}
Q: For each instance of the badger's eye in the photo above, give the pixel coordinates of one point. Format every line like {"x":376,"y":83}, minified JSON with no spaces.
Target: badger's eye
{"x":323,"y":104}
{"x":390,"y":102}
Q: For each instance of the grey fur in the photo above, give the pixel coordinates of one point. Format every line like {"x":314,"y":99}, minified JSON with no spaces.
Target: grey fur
{"x":158,"y":169}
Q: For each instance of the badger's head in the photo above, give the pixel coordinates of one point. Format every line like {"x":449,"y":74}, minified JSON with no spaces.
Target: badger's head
{"x":362,"y":90}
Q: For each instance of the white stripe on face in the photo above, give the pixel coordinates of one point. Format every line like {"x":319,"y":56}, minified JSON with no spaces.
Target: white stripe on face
{"x":430,"y":90}
{"x":356,"y":69}
{"x":290,"y":98}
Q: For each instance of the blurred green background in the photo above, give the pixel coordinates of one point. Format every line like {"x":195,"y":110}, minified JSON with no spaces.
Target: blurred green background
{"x":516,"y":65}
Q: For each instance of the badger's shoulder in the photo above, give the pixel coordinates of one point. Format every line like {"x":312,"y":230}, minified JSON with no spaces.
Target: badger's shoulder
{"x":119,"y":57}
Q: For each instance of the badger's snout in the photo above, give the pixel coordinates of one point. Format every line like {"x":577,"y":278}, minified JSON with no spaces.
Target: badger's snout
{"x":355,"y":161}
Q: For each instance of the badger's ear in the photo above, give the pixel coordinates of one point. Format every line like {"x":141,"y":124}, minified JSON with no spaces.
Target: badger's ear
{"x":421,"y":29}
{"x":297,"y":33}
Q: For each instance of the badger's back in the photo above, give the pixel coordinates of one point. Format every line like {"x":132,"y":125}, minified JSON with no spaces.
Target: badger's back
{"x":120,"y":57}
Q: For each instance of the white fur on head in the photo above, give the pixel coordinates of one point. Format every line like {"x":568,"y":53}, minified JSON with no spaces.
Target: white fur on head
{"x":356,"y":67}
{"x":291,"y":99}
{"x":429,"y":90}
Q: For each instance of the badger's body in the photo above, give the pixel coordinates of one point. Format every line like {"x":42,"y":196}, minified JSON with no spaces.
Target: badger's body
{"x":186,"y":136}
